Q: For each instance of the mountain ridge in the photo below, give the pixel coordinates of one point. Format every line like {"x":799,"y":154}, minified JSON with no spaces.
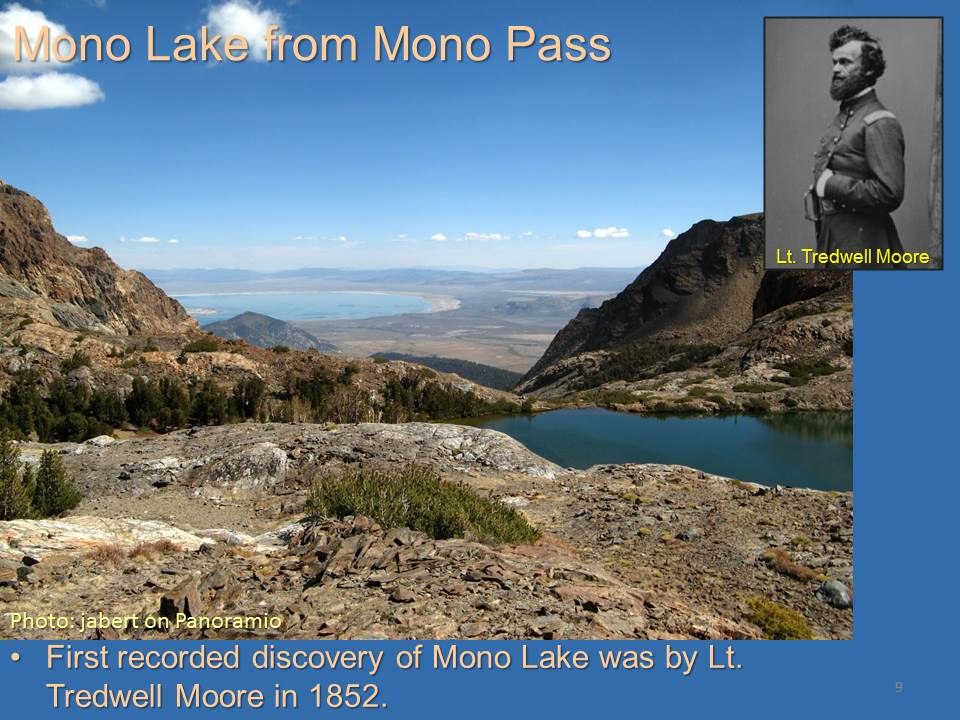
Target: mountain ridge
{"x":80,"y":288}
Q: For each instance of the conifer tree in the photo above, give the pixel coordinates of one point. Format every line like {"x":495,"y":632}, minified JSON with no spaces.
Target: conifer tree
{"x":53,"y":491}
{"x":14,"y":498}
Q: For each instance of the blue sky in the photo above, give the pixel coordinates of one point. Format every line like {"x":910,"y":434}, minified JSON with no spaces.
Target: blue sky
{"x":365,"y":164}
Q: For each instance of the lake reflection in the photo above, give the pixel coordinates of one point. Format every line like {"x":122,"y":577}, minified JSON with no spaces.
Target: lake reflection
{"x":813,"y":450}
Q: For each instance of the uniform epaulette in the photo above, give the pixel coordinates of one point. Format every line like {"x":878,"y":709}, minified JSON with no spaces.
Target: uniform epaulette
{"x":878,"y":115}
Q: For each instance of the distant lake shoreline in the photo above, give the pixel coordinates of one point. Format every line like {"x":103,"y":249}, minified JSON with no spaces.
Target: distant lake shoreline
{"x":209,"y":307}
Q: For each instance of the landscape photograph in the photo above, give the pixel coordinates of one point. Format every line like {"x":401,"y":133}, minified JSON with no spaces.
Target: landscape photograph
{"x":409,"y":350}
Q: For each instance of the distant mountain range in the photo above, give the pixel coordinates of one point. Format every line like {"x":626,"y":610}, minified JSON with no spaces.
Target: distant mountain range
{"x":267,"y":332}
{"x":587,"y":280}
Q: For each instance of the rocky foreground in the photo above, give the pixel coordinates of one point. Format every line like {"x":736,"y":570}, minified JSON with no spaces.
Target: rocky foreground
{"x":210,"y":523}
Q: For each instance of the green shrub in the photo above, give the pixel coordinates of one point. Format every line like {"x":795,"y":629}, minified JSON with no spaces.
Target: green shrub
{"x":646,"y":360}
{"x":247,"y":396}
{"x":756,"y":404}
{"x":205,"y":344}
{"x":280,"y":349}
{"x":209,"y":405}
{"x":417,"y":498}
{"x":77,"y":360}
{"x":777,"y":622}
{"x":756,"y":387}
{"x":347,"y":373}
{"x":800,"y":371}
{"x":723,"y":404}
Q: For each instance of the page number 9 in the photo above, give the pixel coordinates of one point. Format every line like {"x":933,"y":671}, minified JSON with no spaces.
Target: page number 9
{"x":898,"y":687}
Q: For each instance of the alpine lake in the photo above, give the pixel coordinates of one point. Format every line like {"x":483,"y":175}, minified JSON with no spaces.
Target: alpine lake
{"x":807,"y":450}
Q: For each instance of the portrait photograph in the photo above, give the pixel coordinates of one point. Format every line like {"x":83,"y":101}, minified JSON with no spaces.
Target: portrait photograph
{"x":853,"y":143}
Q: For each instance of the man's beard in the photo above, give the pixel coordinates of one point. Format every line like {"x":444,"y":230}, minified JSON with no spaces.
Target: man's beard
{"x":846,"y":88}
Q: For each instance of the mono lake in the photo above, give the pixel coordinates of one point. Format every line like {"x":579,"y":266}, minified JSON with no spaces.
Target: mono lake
{"x":812,"y":450}
{"x":208,"y":308}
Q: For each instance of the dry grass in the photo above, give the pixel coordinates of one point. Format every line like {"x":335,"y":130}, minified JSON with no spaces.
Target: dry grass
{"x":107,"y":554}
{"x":152,"y":549}
{"x":781,"y":561}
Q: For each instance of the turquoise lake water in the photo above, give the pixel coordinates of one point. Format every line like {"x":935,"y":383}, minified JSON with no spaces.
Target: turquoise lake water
{"x":813,"y":450}
{"x":300,"y":305}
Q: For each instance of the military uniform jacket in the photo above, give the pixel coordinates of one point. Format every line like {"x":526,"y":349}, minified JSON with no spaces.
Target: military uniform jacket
{"x":863,"y":146}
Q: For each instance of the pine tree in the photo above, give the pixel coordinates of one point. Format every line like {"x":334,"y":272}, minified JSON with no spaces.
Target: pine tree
{"x":53,"y":491}
{"x":14,"y":498}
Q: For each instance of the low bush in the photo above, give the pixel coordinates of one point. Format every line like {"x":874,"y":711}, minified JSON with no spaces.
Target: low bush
{"x":777,"y":622}
{"x":780,"y":561}
{"x":150,"y":549}
{"x":206,"y":344}
{"x":799,"y":372}
{"x":417,"y":498}
{"x":107,"y":554}
{"x":77,"y":360}
{"x":756,"y":387}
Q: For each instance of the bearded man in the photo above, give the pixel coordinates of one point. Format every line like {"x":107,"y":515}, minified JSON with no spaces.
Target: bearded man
{"x":858,"y":173}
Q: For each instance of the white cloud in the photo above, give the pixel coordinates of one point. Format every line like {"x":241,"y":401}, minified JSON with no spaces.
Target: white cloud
{"x":25,"y":89}
{"x":485,"y":237}
{"x":438,"y":237}
{"x":51,"y":90}
{"x":613,"y":232}
{"x":242,"y":17}
{"x":78,"y":239}
{"x":668,"y":233}
{"x":607,"y":232}
{"x":173,"y":241}
{"x":31,"y":20}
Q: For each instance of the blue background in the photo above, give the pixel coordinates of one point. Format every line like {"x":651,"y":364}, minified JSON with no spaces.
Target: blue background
{"x":905,"y":620}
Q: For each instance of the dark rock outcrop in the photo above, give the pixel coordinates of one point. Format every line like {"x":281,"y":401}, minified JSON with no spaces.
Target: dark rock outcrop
{"x":780,"y":288}
{"x":706,"y":295}
{"x":699,"y":290}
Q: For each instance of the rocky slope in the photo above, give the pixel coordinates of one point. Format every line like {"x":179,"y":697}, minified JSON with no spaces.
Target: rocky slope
{"x":699,"y":290}
{"x":706,"y":328}
{"x":265,"y":331}
{"x":628,"y":551}
{"x":72,"y":313}
{"x":47,"y":277}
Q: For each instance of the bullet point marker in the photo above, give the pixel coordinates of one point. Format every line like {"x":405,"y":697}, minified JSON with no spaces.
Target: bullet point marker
{"x":15,"y":656}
